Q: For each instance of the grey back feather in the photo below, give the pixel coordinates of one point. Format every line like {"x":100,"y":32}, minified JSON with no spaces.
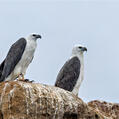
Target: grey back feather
{"x":68,"y":75}
{"x":13,"y":57}
{"x":1,"y":67}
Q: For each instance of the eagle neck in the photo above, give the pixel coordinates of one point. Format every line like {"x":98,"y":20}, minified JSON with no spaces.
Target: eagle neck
{"x":79,"y":56}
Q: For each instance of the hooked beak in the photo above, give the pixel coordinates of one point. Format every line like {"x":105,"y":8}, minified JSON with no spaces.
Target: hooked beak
{"x":84,"y":49}
{"x":38,"y":36}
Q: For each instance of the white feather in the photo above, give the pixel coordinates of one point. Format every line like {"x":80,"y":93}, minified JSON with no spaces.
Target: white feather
{"x":79,"y":54}
{"x":26,"y":59}
{"x":81,"y":76}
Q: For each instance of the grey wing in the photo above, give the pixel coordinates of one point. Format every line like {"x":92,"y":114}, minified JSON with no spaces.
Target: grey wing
{"x":1,"y":67}
{"x":13,"y":57}
{"x":69,"y":74}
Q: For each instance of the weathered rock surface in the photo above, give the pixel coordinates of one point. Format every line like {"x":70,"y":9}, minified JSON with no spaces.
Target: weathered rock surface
{"x":107,"y":110}
{"x":20,"y":100}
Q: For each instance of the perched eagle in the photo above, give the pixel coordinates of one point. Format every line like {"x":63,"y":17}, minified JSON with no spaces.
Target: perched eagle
{"x":71,"y":74}
{"x":18,"y":58}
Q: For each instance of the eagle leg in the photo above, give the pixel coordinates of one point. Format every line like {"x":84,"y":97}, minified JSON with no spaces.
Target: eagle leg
{"x":21,"y":77}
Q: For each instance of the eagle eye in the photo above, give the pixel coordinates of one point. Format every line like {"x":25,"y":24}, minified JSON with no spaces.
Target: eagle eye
{"x":34,"y":35}
{"x":79,"y":47}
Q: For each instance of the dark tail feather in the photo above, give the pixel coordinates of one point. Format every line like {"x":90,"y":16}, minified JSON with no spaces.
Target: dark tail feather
{"x":1,"y":69}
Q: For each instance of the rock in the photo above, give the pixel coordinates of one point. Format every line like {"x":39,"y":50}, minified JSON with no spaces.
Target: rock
{"x":21,"y":100}
{"x":107,"y":110}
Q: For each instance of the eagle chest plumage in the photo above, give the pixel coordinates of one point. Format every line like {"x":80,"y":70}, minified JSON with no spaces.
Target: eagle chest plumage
{"x":26,"y":57}
{"x":25,"y":60}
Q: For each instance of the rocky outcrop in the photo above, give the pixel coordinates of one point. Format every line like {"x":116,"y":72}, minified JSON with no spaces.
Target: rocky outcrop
{"x":107,"y":110}
{"x":20,"y":100}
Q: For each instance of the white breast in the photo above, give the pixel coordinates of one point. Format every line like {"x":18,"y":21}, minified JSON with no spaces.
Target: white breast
{"x":81,"y":76}
{"x":26,"y":59}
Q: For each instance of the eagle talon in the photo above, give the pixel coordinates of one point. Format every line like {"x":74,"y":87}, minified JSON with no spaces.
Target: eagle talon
{"x":27,"y":80}
{"x":21,"y":77}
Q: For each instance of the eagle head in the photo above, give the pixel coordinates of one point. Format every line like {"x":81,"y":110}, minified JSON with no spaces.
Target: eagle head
{"x":79,"y":49}
{"x":34,"y":36}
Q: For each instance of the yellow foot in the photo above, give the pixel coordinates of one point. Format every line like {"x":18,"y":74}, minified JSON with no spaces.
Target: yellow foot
{"x":21,"y":77}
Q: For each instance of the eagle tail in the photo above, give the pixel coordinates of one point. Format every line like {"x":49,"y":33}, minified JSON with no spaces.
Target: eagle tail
{"x":1,"y":69}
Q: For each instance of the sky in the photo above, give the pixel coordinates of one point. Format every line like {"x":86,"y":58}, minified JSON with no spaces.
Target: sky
{"x":62,"y":24}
